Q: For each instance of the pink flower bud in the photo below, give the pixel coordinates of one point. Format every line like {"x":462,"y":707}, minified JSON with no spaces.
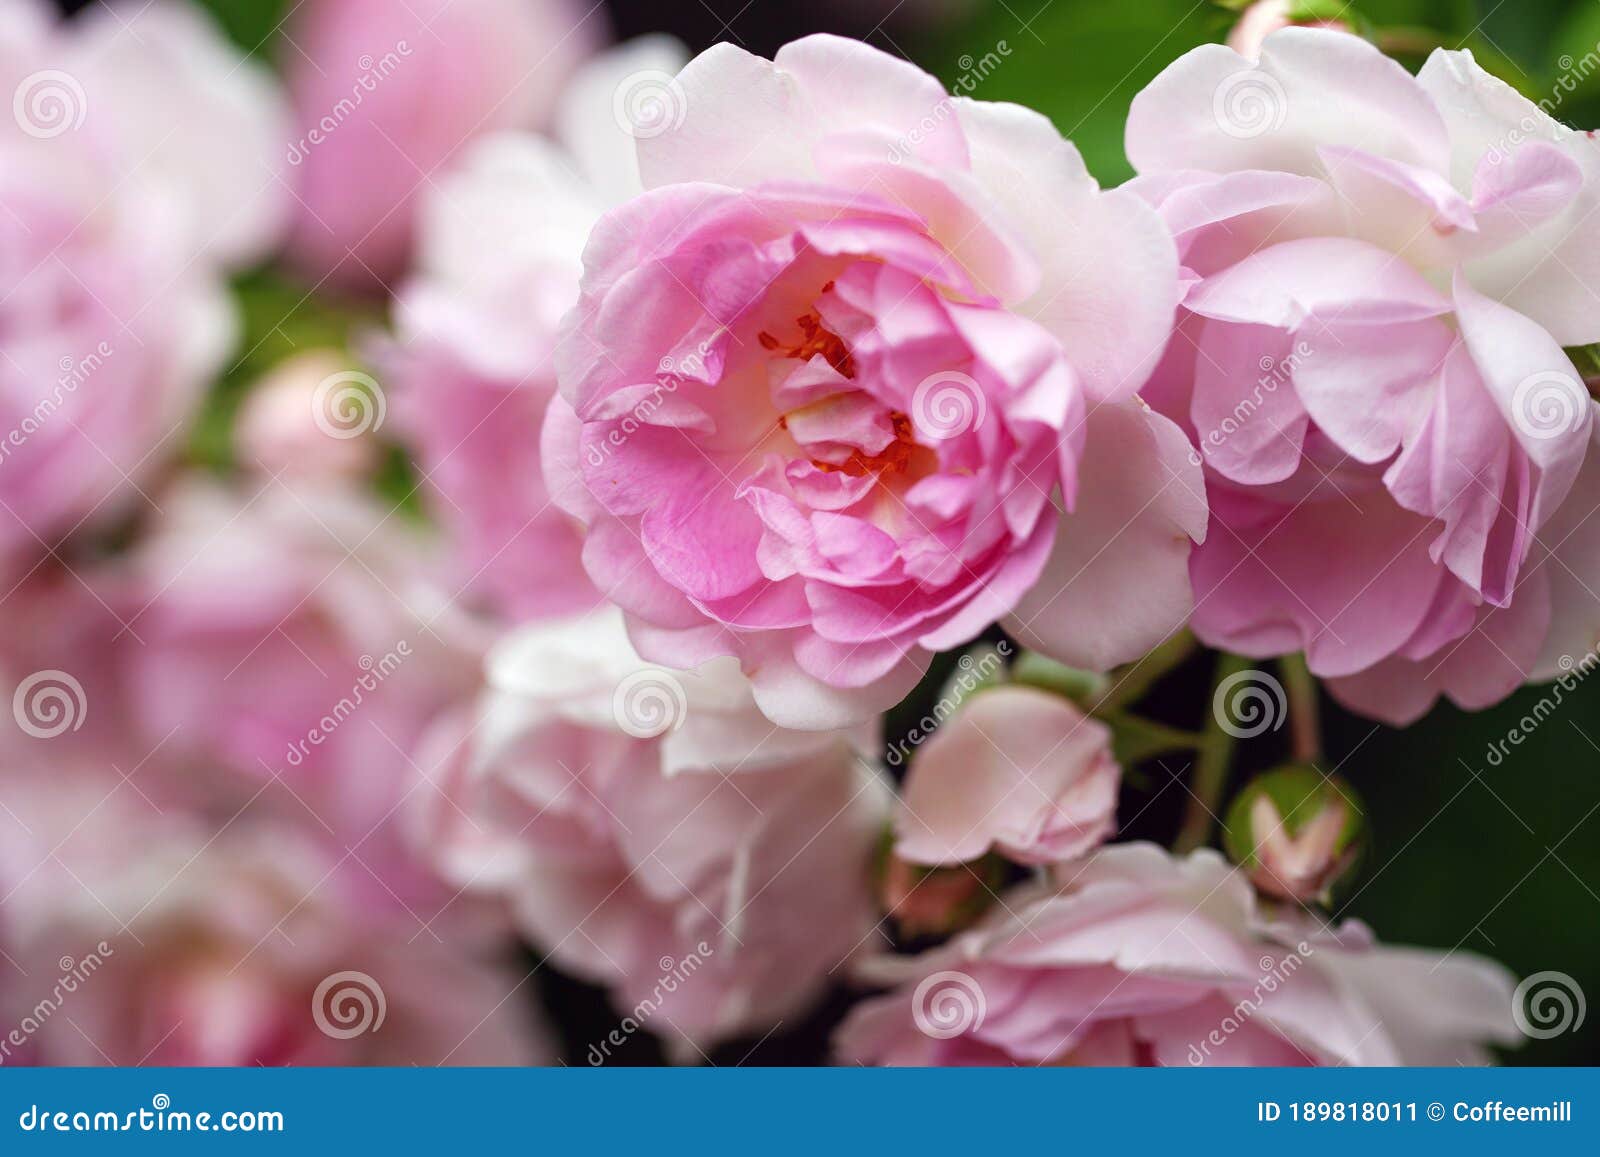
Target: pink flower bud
{"x":1296,"y":833}
{"x":310,"y":417}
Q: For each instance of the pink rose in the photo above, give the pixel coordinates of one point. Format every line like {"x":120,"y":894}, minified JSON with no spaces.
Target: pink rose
{"x":1017,"y":769}
{"x":293,"y":640}
{"x":651,"y":831}
{"x":470,"y":368}
{"x":115,"y":232}
{"x":829,"y":374}
{"x":1371,"y":362}
{"x":57,"y":628}
{"x":387,"y":93}
{"x":1146,"y":959}
{"x":148,"y":938}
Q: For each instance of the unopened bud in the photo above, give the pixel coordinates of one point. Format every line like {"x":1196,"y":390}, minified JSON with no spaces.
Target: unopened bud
{"x":1296,"y":833}
{"x":935,"y":901}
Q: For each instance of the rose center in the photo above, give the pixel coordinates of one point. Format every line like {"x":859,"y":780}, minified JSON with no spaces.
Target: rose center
{"x":823,"y":428}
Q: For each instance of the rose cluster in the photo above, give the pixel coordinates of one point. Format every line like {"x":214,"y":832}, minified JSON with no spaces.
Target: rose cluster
{"x":531,"y":602}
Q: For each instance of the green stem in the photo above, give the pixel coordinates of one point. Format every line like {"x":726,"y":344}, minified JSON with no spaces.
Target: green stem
{"x":1129,"y":684}
{"x":1211,"y":767}
{"x":1305,"y":715}
{"x":1034,"y":670}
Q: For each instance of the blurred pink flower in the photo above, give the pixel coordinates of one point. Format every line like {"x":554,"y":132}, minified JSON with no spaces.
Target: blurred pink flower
{"x":114,"y":231}
{"x":386,"y":93}
{"x":145,"y":939}
{"x":1142,"y":958}
{"x":290,"y":422}
{"x":294,"y":636}
{"x":58,"y":629}
{"x":650,"y":830}
{"x":500,"y":249}
{"x":1371,"y":362}
{"x":828,"y":373}
{"x":1016,"y":769}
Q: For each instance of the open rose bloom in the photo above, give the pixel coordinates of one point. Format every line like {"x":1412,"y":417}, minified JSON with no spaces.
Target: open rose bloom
{"x":653,"y":832}
{"x":1146,"y":959}
{"x":855,"y":377}
{"x":1382,"y":272}
{"x":115,"y":234}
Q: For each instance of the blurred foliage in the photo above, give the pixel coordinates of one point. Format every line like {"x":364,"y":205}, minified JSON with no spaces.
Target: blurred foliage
{"x":1082,"y":61}
{"x":252,"y":24}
